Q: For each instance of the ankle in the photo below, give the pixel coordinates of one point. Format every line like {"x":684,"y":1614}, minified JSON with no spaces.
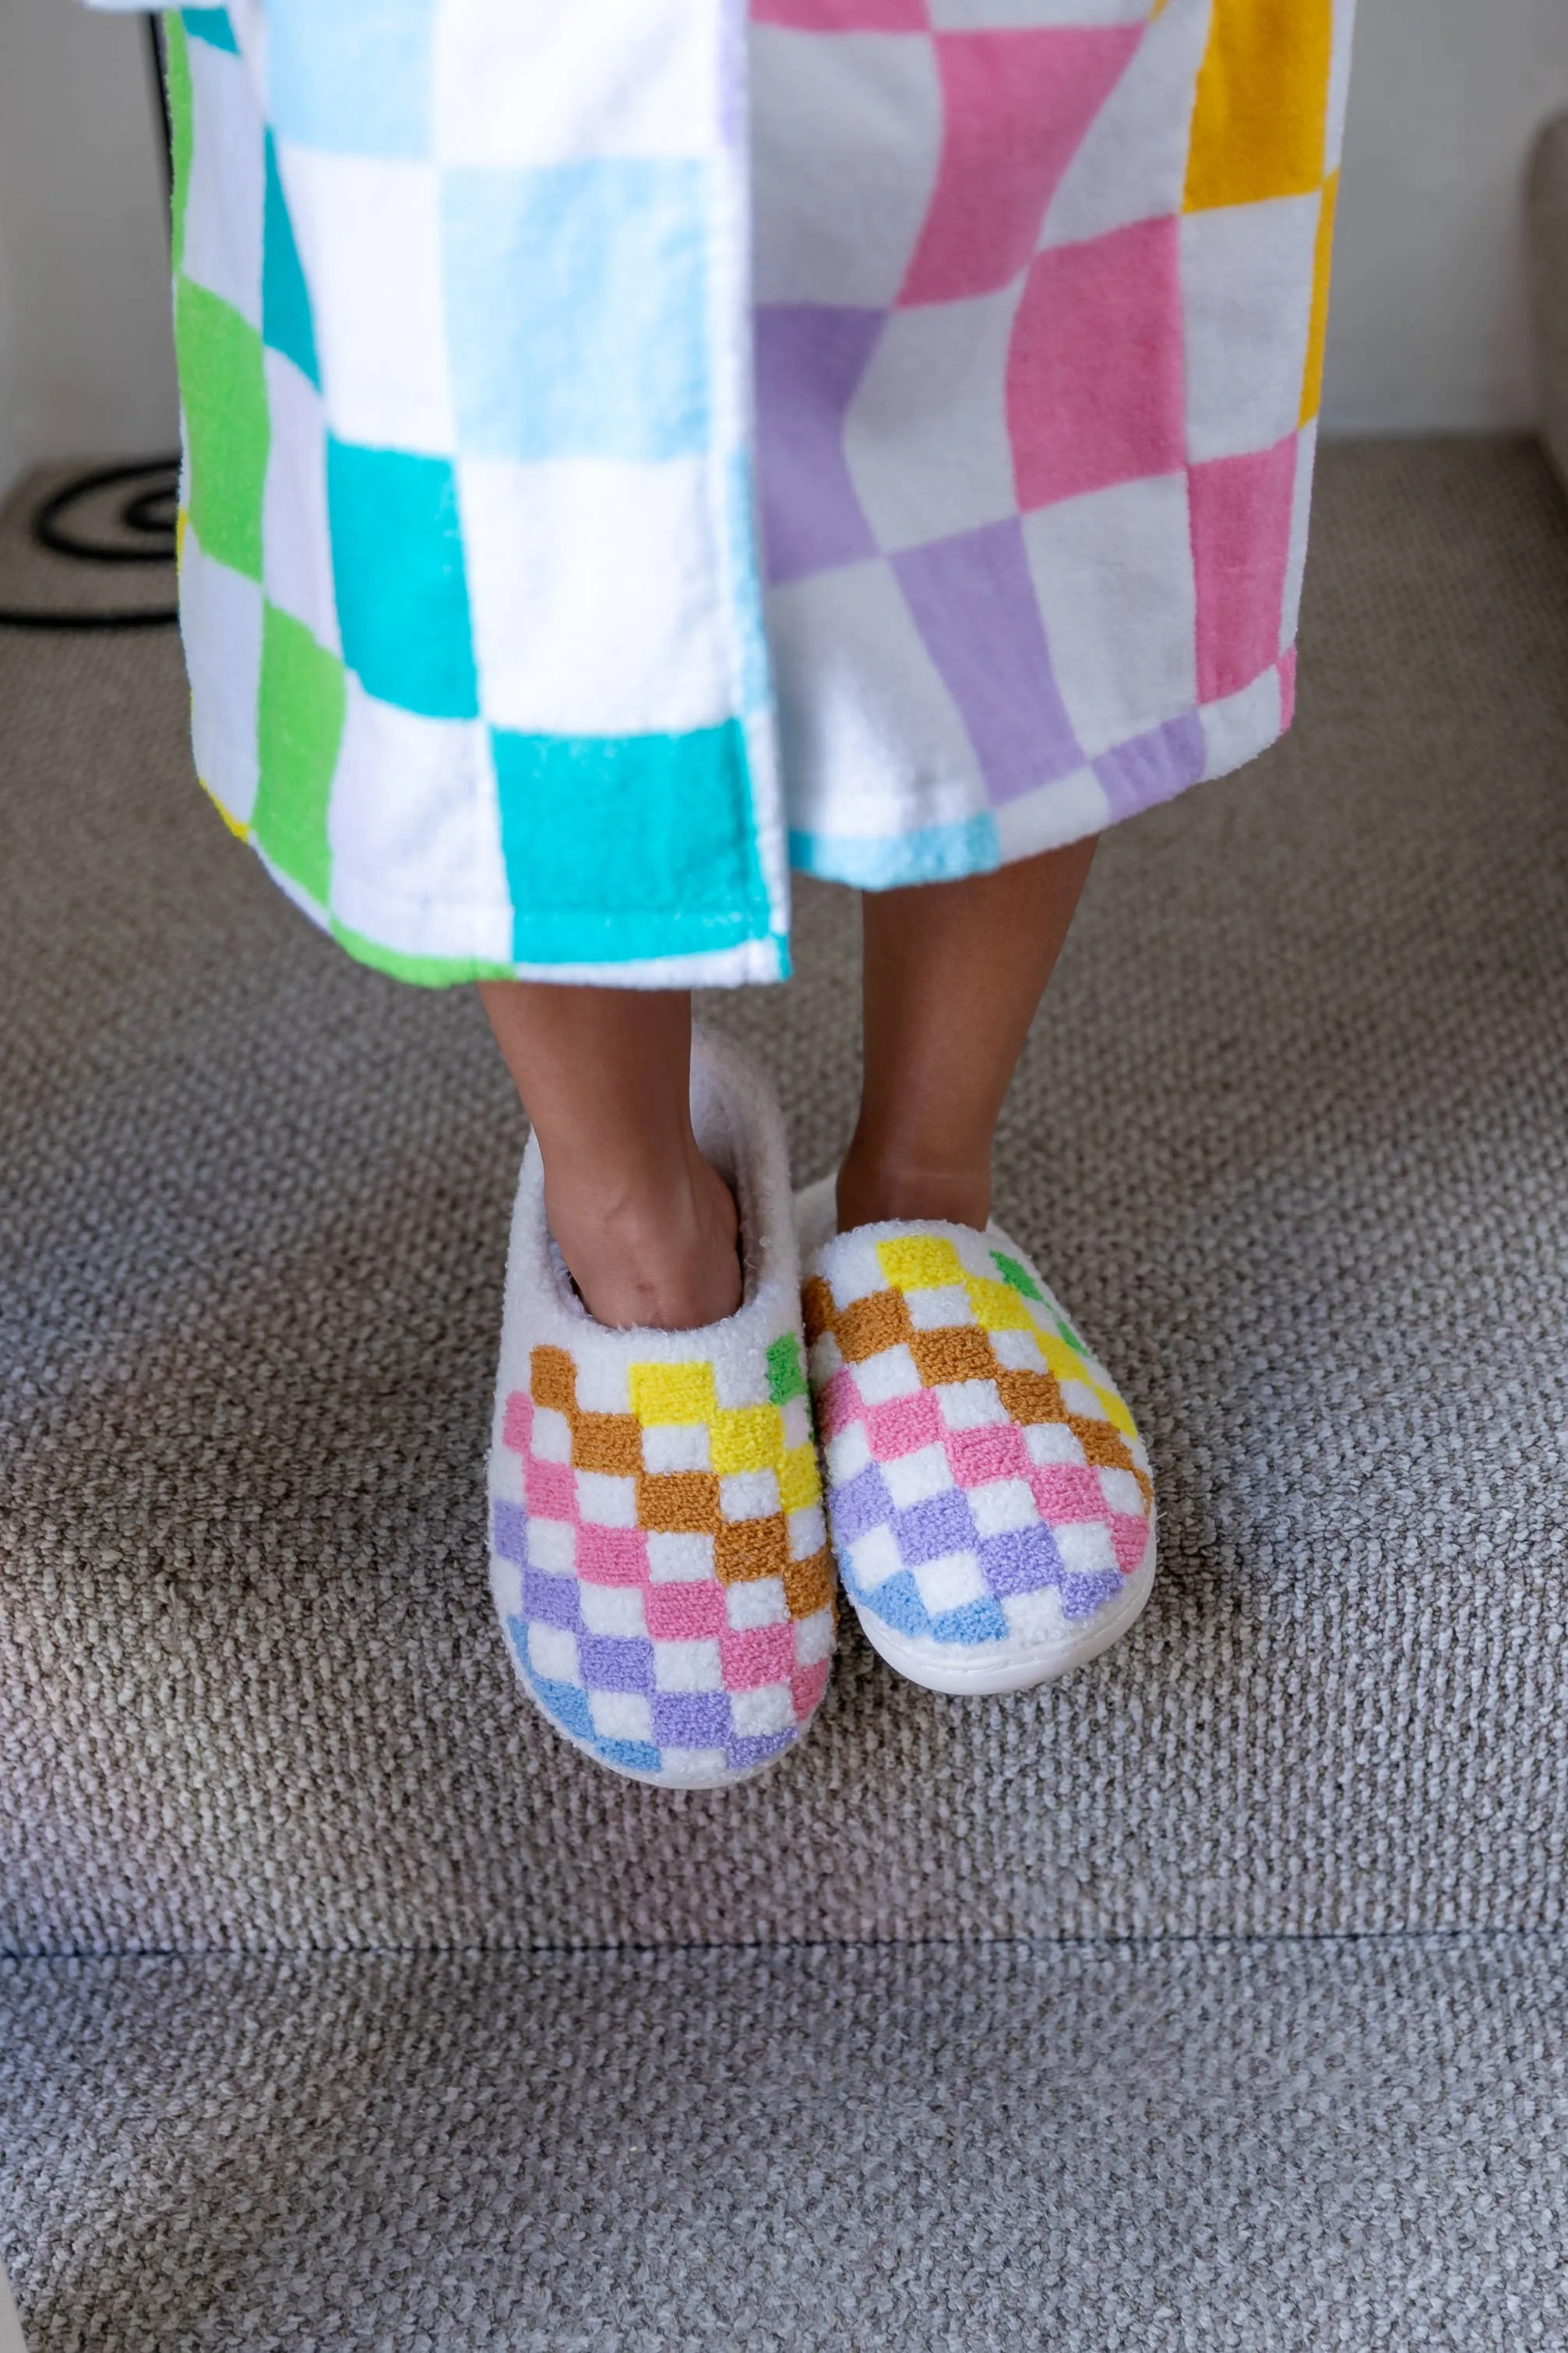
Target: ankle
{"x":661,"y":1252}
{"x":875,"y":1187}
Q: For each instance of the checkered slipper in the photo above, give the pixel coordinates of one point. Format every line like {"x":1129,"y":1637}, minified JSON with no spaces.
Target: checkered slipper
{"x":657,"y":1550}
{"x":988,"y":1494}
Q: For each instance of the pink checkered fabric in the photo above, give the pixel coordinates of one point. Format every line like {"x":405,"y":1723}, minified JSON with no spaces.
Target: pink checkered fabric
{"x":1041,"y":289}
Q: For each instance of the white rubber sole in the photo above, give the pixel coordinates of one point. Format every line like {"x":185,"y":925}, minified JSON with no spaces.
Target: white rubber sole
{"x":991,"y":1669}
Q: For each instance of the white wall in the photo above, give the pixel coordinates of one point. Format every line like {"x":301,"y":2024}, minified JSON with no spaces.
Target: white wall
{"x":1429,"y":328}
{"x":86,"y":358}
{"x":1428,"y":331}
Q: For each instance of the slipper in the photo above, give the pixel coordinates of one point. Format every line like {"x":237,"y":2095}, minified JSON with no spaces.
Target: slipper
{"x":659,"y":1555}
{"x":988,"y":1494}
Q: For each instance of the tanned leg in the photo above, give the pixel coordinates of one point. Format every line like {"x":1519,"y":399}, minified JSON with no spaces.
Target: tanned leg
{"x":954,"y":971}
{"x":647,"y":1226}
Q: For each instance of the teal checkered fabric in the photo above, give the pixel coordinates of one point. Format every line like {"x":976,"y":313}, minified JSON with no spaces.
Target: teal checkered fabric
{"x":469,"y":583}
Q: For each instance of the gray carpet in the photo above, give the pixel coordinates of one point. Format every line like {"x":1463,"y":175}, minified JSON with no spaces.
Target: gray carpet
{"x":1291,"y":1134}
{"x":1276,"y":2148}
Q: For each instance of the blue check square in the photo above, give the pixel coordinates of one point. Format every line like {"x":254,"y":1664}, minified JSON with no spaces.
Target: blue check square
{"x":662,"y":823}
{"x":352,"y":80}
{"x":401,"y":587}
{"x":576,"y":310}
{"x":286,"y":324}
{"x":212,"y":25}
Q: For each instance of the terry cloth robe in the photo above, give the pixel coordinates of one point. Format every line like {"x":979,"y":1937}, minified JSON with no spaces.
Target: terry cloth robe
{"x":627,"y":455}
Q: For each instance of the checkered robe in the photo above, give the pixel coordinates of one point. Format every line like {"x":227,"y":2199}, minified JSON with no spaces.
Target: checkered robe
{"x":607,"y":486}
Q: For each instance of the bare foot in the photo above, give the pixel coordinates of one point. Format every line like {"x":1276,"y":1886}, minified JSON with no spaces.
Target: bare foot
{"x":670,"y":1263}
{"x":645,"y":1225}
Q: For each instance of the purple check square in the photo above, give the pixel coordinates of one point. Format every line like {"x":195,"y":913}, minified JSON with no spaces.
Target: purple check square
{"x":549,"y":1600}
{"x":1021,"y":1560}
{"x":615,"y":1662}
{"x":691,"y":1719}
{"x":862,"y":1504}
{"x":1082,"y":1596}
{"x":941,"y":1524}
{"x":508,"y":1531}
{"x":810,"y":359}
{"x":974,"y":605}
{"x":1153,"y":767}
{"x":741,"y":1755}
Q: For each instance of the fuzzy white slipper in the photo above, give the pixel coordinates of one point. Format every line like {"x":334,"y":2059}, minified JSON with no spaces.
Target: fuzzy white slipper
{"x":988,"y":1494}
{"x":659,"y":1555}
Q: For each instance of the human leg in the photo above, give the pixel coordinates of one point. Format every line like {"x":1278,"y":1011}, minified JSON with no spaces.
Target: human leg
{"x":988,"y":1494}
{"x":953,"y":972}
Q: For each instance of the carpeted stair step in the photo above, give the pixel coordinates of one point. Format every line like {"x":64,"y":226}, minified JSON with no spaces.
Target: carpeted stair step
{"x":952,"y":2149}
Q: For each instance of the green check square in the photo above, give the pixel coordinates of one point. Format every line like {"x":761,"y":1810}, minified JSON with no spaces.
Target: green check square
{"x":223,"y":387}
{"x":1018,"y":1277}
{"x":787,"y":1375}
{"x":303,"y":698}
